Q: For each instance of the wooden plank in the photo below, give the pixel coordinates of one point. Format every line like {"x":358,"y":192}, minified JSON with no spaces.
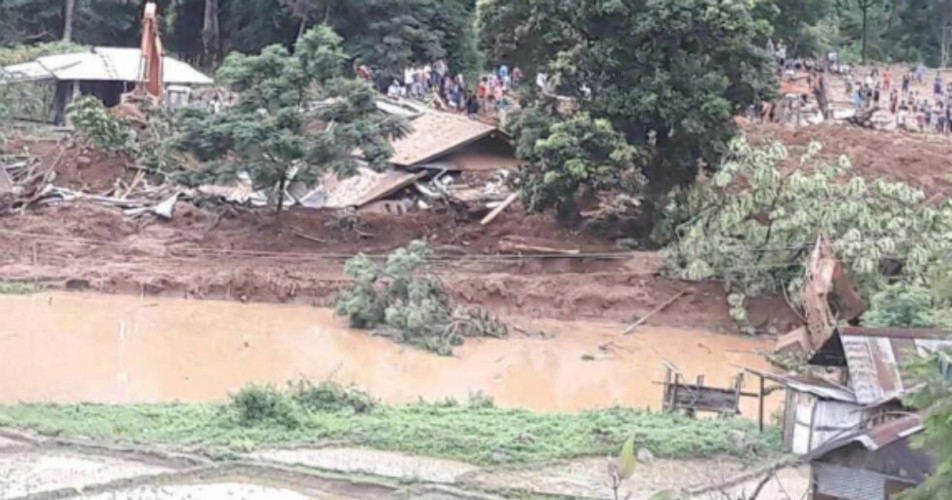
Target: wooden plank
{"x":498,"y":210}
{"x":656,"y":310}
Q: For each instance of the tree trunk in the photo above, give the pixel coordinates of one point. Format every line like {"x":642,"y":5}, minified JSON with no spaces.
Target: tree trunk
{"x":281,"y":186}
{"x":210,"y":35}
{"x":301,"y":28}
{"x":865,"y":7}
{"x":68,"y":20}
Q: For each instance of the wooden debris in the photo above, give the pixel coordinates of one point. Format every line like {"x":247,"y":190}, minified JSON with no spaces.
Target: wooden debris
{"x":304,"y":236}
{"x":498,"y":210}
{"x":518,"y":244}
{"x":656,"y":310}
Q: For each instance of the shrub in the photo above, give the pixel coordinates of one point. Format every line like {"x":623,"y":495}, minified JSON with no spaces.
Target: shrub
{"x":262,"y":404}
{"x":330,"y":396}
{"x":97,"y":126}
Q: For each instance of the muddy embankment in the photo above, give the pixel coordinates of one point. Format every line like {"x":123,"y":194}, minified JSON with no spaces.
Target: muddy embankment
{"x":236,"y":254}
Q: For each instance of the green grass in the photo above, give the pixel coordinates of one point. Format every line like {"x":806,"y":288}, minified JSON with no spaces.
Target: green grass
{"x":18,"y":288}
{"x":479,"y":435}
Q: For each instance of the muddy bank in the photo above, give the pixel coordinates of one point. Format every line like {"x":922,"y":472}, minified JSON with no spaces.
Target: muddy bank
{"x":69,"y":347}
{"x":241,"y":257}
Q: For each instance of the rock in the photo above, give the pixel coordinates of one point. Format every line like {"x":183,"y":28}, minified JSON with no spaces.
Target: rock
{"x":83,"y":160}
{"x":588,"y":357}
{"x":500,"y":457}
{"x":645,"y":456}
{"x":738,"y":439}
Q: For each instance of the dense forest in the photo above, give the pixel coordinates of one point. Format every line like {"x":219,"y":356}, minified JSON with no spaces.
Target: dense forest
{"x":393,"y":33}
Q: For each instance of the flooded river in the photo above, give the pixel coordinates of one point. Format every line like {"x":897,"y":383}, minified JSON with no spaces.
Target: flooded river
{"x":66,"y":347}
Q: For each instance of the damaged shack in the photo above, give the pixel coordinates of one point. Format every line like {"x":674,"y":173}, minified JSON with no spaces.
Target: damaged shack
{"x":104,"y":72}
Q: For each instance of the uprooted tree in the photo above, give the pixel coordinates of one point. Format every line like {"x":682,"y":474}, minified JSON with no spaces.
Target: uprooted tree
{"x":752,"y":225}
{"x":295,"y":115}
{"x":667,"y":76}
{"x":403,"y":298}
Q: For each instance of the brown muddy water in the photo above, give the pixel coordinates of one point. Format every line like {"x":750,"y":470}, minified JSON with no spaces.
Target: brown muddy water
{"x":70,"y":347}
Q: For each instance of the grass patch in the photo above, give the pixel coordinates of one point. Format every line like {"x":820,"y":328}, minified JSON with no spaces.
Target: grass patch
{"x":18,"y":288}
{"x":478,"y":433}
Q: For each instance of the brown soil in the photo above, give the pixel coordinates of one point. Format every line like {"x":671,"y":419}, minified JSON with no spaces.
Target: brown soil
{"x":237,"y":254}
{"x":921,"y":160}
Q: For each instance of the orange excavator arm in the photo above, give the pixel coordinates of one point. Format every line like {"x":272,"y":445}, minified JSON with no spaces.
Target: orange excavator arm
{"x":150,"y":78}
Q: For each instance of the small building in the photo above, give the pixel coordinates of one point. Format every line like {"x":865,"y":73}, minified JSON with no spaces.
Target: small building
{"x":867,"y":392}
{"x":872,"y":463}
{"x":105,"y":72}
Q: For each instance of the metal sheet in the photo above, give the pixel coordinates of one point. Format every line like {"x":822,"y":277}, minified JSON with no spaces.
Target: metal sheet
{"x":110,"y":64}
{"x":848,"y":483}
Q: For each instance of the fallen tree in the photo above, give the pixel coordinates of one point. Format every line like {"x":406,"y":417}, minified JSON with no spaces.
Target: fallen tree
{"x":404,"y":299}
{"x":752,"y":225}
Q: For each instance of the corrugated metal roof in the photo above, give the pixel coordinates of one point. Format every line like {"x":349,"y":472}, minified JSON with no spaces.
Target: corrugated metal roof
{"x":819,"y":387}
{"x":435,"y":134}
{"x":848,"y":483}
{"x":876,"y":437}
{"x":875,"y":357}
{"x":895,"y":333}
{"x":114,"y":64}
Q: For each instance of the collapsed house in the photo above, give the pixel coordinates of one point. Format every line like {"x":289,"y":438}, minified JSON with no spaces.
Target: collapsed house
{"x":445,"y":158}
{"x":851,"y":425}
{"x":872,"y":463}
{"x":104,"y":72}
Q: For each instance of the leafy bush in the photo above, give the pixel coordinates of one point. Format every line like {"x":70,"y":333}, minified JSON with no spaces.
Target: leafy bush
{"x":330,"y":397}
{"x":263,"y":404}
{"x":404,"y":298}
{"x":97,"y":126}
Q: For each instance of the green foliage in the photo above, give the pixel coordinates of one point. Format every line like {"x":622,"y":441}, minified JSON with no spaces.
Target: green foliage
{"x":294,"y":112}
{"x":626,"y":459}
{"x":98,"y":127}
{"x":262,"y":404}
{"x":404,"y":296}
{"x":669,"y":76}
{"x":472,"y":435}
{"x":902,"y":305}
{"x":753,"y":225}
{"x":578,"y":156}
{"x":18,"y":288}
{"x":330,"y":397}
{"x":934,"y":399}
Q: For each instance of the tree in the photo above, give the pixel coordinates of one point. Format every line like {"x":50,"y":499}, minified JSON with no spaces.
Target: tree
{"x":295,"y":115}
{"x":795,"y":22}
{"x":669,"y":76}
{"x":864,"y":6}
{"x":753,"y":224}
{"x":569,"y":158}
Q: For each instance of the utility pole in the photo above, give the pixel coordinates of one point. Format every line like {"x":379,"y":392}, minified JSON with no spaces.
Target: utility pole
{"x":68,"y":20}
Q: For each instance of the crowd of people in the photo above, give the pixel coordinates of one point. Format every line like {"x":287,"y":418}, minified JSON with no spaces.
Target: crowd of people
{"x":909,"y":100}
{"x":437,"y":85}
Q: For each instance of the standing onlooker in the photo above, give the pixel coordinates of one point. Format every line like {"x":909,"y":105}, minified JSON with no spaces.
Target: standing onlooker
{"x":893,"y":101}
{"x":887,"y":79}
{"x":901,"y":116}
{"x":937,"y":84}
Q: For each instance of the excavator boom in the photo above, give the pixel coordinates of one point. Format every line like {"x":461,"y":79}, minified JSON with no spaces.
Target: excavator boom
{"x":150,"y":76}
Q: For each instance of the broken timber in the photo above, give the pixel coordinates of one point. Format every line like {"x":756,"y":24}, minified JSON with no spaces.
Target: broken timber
{"x":498,"y":210}
{"x":656,"y":310}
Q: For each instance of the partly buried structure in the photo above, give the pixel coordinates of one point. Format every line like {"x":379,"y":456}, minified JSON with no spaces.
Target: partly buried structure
{"x":448,"y":141}
{"x":105,"y":72}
